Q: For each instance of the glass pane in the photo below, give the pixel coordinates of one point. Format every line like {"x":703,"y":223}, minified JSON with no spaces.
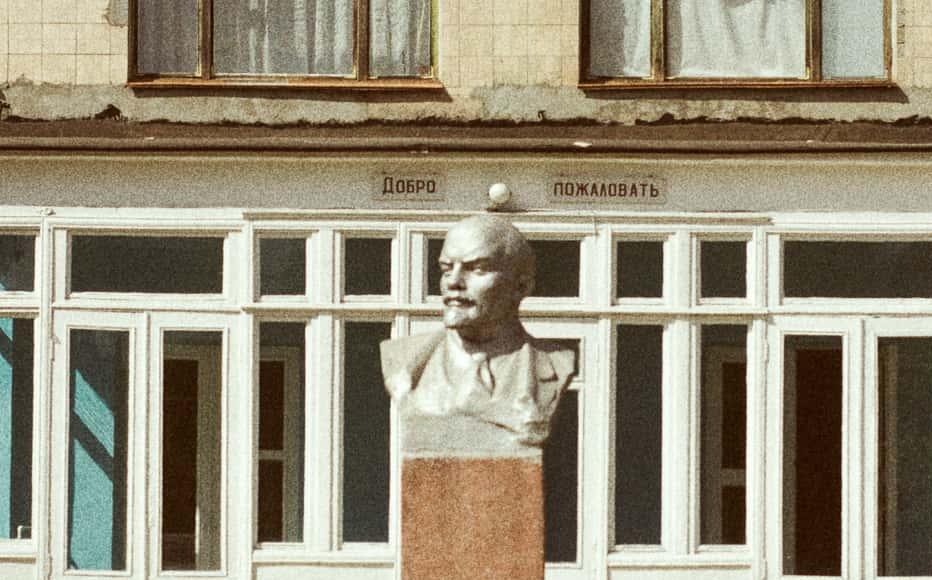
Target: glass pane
{"x":97,"y":450}
{"x":434,"y":247}
{"x":282,"y":266}
{"x":857,"y":269}
{"x":399,"y":42}
{"x":368,"y":266}
{"x":16,"y":358}
{"x":727,"y":39}
{"x":853,"y":39}
{"x":905,"y":457}
{"x":288,"y":37}
{"x":640,"y":269}
{"x":557,"y":268}
{"x":638,"y":434}
{"x":723,"y":434}
{"x":561,"y":477}
{"x":619,"y":38}
{"x":17,"y":263}
{"x":191,"y":450}
{"x":366,"y":421}
{"x":724,"y":269}
{"x":281,"y":431}
{"x":146,"y":264}
{"x":812,"y":456}
{"x":167,"y":37}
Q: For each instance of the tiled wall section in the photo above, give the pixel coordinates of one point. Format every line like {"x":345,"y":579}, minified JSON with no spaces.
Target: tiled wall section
{"x":60,"y":42}
{"x":483,"y":43}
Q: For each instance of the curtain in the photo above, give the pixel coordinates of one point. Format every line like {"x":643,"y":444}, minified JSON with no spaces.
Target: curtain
{"x":296,"y":37}
{"x":399,"y":42}
{"x":167,"y":37}
{"x":736,"y":38}
{"x":619,"y":38}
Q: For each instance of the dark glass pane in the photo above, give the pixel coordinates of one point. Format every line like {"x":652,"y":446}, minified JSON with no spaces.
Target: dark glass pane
{"x":561,"y":481}
{"x":638,"y":433}
{"x":812,"y":456}
{"x":17,"y":263}
{"x":97,"y":450}
{"x":857,"y":269}
{"x":282,"y":427}
{"x":146,"y":264}
{"x":905,"y":457}
{"x":271,"y":495}
{"x":723,"y":432}
{"x":640,"y":269}
{"x":282,"y":266}
{"x":434,"y":247}
{"x":191,"y":451}
{"x":557,"y":268}
{"x":16,"y":396}
{"x":366,"y":422}
{"x":167,"y":37}
{"x":368,"y":266}
{"x":724,"y":269}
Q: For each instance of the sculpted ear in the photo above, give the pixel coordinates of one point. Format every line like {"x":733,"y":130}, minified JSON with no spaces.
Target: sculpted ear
{"x":525,"y":285}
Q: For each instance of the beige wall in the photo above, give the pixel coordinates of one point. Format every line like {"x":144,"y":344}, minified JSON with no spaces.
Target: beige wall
{"x":498,"y":59}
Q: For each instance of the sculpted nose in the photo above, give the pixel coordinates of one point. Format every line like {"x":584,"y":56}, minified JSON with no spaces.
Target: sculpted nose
{"x":453,"y":278}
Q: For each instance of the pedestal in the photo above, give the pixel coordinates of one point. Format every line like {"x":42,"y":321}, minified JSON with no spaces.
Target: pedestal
{"x":472,"y":517}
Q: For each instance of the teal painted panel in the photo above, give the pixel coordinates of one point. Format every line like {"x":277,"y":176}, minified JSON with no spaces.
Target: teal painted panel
{"x":6,"y":426}
{"x":97,"y":468}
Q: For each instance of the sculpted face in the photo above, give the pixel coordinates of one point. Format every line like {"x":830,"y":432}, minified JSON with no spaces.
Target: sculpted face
{"x":482,"y":281}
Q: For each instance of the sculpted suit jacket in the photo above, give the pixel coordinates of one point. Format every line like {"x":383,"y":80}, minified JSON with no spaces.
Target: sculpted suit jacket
{"x":523,"y":405}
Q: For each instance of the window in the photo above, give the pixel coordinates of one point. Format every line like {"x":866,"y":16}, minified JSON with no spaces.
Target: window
{"x":754,"y":42}
{"x":294,"y":42}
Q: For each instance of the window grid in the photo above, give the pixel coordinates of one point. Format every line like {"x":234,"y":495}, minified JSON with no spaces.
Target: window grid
{"x":205,"y":74}
{"x":659,"y":78}
{"x":802,"y":317}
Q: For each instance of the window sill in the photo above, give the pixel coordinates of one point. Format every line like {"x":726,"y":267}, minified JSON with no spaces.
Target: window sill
{"x":289,"y":83}
{"x":639,"y":84}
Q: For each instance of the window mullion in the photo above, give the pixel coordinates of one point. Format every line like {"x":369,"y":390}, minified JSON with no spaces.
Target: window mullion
{"x":658,"y":38}
{"x":814,"y":46}
{"x":362,"y":39}
{"x":206,"y":39}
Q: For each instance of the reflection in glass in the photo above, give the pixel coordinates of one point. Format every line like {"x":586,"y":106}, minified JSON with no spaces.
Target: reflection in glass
{"x":812,"y":422}
{"x":561,"y":482}
{"x":191,"y":450}
{"x":17,"y":263}
{"x":723,"y":434}
{"x":16,"y":395}
{"x":97,"y":449}
{"x":638,"y":434}
{"x":905,"y":457}
{"x":281,"y":432}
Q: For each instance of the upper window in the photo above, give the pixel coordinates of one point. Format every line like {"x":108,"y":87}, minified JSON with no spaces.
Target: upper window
{"x":752,"y":42}
{"x":289,"y":41}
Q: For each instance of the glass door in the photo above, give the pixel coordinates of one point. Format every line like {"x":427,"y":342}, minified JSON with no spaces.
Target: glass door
{"x":98,"y":419}
{"x":898,"y":466}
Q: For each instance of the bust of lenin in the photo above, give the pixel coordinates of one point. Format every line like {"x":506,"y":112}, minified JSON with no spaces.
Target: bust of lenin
{"x":483,"y":382}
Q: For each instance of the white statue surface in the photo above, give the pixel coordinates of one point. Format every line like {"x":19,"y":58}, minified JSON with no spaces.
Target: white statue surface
{"x":483,"y":383}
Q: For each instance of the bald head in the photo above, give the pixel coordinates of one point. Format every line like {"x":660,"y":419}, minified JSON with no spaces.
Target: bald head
{"x":488,"y":268}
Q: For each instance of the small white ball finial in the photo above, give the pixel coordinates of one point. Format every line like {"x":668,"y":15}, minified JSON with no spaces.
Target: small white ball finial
{"x":499,"y":194}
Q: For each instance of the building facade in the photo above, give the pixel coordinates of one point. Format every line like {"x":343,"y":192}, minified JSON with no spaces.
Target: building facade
{"x":212,"y":212}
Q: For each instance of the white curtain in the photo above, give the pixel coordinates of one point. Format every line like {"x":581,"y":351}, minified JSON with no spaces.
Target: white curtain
{"x":297,"y":37}
{"x":619,"y":38}
{"x":736,"y":38}
{"x":167,"y":37}
{"x":399,"y":33}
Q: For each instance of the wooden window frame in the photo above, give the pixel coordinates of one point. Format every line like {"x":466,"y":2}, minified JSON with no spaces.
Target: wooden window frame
{"x":659,"y":78}
{"x":205,"y":77}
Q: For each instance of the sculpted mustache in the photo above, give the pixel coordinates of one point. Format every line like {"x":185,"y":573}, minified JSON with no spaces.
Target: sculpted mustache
{"x":462,"y":301}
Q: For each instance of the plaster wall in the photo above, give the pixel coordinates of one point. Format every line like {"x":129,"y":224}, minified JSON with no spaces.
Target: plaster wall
{"x":854,"y":183}
{"x":499,"y":60}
